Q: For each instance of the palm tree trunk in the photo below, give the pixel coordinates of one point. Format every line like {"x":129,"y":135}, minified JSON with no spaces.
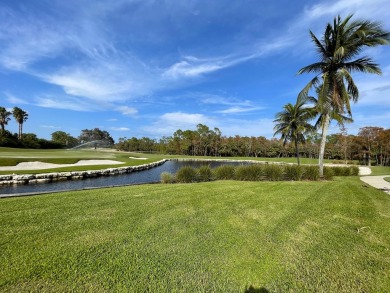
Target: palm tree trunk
{"x":297,"y":152}
{"x":325,"y":127}
{"x":20,"y":131}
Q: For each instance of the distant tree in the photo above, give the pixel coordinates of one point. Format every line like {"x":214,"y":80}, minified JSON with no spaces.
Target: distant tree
{"x":370,"y":136}
{"x":20,"y":117}
{"x":31,"y":141}
{"x":64,"y":139}
{"x":4,"y":118}
{"x":88,"y":135}
{"x":292,"y":123}
{"x":8,"y":139}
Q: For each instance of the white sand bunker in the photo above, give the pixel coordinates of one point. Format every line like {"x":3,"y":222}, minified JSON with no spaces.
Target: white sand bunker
{"x":41,"y":166}
{"x":135,"y":158}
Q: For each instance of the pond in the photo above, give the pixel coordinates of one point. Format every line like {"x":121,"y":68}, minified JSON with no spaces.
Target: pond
{"x":141,"y":177}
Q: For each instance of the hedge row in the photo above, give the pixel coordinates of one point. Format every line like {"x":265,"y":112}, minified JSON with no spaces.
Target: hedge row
{"x":256,"y":172}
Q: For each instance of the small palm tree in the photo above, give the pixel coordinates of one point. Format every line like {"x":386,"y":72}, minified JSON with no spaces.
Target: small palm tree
{"x":292,"y":123}
{"x":341,"y":43}
{"x":20,"y":117}
{"x":4,"y":118}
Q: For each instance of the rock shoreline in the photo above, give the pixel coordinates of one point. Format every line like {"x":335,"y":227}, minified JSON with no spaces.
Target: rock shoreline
{"x":73,"y":175}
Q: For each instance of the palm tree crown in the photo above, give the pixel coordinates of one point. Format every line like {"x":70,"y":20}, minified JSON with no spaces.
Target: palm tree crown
{"x":340,"y":44}
{"x":20,"y":117}
{"x":292,"y":123}
{"x":4,"y":118}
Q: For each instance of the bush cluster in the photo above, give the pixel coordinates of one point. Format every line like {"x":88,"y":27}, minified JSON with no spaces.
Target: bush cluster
{"x":256,"y":172}
{"x":293,"y":172}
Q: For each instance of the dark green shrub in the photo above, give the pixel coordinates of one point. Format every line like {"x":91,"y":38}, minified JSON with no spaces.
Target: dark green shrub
{"x":354,"y":171}
{"x":225,"y":172}
{"x":345,"y":171}
{"x":311,"y":173}
{"x":293,"y":172}
{"x":249,"y":173}
{"x":167,"y":177}
{"x":273,"y":172}
{"x":186,"y":174}
{"x":205,"y":174}
{"x":328,"y":173}
{"x":337,"y":171}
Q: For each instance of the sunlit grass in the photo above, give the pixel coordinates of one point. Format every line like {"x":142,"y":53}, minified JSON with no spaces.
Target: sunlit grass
{"x":379,"y":170}
{"x":222,"y":236}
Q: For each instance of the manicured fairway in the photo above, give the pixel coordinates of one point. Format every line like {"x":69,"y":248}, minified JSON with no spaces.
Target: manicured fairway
{"x":12,"y":156}
{"x":222,"y":236}
{"x":379,"y":170}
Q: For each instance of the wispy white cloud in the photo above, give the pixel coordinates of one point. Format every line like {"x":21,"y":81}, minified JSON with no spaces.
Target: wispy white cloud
{"x":51,"y":126}
{"x":168,"y":123}
{"x":238,"y":109}
{"x":128,"y":111}
{"x":190,"y":66}
{"x":374,"y":90}
{"x":185,"y":118}
{"x":193,"y":67}
{"x":15,"y":100}
{"x":119,"y":128}
{"x":215,"y":99}
{"x":66,"y":103}
{"x":235,"y":104}
{"x":344,"y":7}
{"x":26,"y":39}
{"x":117,"y":78}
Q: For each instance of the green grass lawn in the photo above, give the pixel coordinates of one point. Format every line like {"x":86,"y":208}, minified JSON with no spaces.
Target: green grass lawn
{"x":222,"y":236}
{"x":387,"y":179}
{"x":379,"y":170}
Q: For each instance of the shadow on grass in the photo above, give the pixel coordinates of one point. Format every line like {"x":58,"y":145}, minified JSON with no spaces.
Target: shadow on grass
{"x":252,"y":289}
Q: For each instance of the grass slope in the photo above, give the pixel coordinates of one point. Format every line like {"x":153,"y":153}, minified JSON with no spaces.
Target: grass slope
{"x":221,"y":236}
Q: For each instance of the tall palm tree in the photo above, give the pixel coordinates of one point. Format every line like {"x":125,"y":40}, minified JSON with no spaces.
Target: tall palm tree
{"x":4,"y":118}
{"x":340,"y":45}
{"x":20,"y":117}
{"x":292,"y":123}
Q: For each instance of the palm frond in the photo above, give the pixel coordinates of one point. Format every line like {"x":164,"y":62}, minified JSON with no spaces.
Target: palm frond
{"x":363,"y":64}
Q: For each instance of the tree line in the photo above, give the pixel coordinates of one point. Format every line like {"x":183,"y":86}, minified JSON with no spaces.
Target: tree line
{"x":370,"y":145}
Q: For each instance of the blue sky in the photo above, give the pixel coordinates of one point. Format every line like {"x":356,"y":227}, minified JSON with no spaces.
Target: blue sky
{"x":148,"y":67}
